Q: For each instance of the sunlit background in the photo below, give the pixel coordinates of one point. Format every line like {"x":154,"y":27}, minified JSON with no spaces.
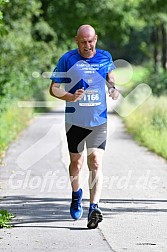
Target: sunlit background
{"x":34,"y":34}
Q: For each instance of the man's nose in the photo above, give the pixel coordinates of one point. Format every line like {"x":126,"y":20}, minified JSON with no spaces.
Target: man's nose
{"x":87,"y":43}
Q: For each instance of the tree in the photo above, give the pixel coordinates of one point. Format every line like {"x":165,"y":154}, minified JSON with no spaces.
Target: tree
{"x":154,"y":15}
{"x":22,"y":53}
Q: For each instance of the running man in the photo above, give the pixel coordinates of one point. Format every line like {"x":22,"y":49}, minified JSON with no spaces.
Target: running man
{"x":85,"y":71}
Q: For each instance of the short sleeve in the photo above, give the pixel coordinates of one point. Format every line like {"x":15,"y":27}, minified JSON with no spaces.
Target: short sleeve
{"x":111,"y":65}
{"x":59,"y":72}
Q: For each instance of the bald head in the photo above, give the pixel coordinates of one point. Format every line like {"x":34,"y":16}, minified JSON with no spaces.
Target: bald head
{"x":86,"y":40}
{"x":85,"y":29}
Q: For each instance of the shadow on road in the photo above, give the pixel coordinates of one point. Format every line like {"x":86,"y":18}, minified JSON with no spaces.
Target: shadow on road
{"x":139,"y":206}
{"x":39,"y":212}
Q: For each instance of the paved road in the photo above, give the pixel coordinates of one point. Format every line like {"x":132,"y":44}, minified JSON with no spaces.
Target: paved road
{"x":35,"y":187}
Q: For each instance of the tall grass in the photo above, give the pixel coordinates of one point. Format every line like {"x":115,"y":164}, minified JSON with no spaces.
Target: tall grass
{"x":12,"y":121}
{"x":148,"y":125}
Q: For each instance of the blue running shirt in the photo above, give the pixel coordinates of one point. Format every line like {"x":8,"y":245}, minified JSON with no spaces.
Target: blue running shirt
{"x":88,"y":73}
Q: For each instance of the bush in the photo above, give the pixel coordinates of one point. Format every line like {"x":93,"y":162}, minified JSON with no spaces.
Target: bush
{"x":158,"y":83}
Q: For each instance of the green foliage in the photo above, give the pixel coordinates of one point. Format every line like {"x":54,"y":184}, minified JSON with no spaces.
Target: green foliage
{"x":148,"y":123}
{"x":22,"y":53}
{"x":26,"y":47}
{"x":144,"y":74}
{"x":2,"y":5}
{"x":154,"y":12}
{"x":5,"y":218}
{"x":155,"y":18}
{"x":149,"y":126}
{"x":112,"y":18}
{"x":158,"y":83}
{"x":12,"y":120}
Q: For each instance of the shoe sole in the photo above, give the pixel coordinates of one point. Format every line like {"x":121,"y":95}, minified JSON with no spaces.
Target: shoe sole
{"x":95,"y":217}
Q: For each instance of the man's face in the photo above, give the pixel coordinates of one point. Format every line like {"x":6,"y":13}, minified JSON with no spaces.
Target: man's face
{"x":86,"y":44}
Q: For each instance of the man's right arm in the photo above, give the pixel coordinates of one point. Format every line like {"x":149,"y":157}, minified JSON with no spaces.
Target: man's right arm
{"x":63,"y":95}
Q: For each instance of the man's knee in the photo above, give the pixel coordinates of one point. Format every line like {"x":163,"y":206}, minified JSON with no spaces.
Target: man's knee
{"x":94,"y":159}
{"x":76,"y":161}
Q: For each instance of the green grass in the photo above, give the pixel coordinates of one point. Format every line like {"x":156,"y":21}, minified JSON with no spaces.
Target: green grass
{"x":12,"y":121}
{"x":5,"y":218}
{"x":127,"y":79}
{"x":148,"y":125}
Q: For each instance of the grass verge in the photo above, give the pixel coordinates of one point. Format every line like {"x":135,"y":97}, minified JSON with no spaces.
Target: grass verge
{"x":148,"y":125}
{"x":12,"y":120}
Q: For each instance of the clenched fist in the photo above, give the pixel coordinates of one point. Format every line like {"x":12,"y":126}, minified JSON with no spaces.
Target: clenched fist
{"x":113,"y":93}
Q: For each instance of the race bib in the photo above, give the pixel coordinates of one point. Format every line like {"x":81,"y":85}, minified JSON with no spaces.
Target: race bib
{"x":91,"y":98}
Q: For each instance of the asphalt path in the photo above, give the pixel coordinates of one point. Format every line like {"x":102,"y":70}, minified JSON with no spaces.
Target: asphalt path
{"x":35,"y":188}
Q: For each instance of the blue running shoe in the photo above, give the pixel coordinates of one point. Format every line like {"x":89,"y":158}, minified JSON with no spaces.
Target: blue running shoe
{"x":76,"y":209}
{"x":94,"y":217}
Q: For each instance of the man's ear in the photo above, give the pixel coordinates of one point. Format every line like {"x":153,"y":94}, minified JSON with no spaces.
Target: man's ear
{"x":96,"y":38}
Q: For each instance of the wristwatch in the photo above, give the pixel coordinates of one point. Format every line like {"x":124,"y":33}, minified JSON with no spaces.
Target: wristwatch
{"x":111,"y":89}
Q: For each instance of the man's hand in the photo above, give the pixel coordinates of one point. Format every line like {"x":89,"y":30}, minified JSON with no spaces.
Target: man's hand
{"x":64,"y":95}
{"x":113,"y":93}
{"x":78,"y":95}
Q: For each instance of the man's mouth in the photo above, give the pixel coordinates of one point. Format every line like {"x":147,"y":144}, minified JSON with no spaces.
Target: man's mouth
{"x":87,"y":50}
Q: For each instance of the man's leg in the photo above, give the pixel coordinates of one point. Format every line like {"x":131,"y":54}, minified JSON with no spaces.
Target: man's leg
{"x":96,"y":143}
{"x":75,"y":139}
{"x":94,"y":160}
{"x":95,"y":185}
{"x":76,"y":162}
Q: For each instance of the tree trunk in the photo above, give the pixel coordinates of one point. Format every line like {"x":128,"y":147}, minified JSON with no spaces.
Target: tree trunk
{"x":164,"y":47}
{"x":156,"y":54}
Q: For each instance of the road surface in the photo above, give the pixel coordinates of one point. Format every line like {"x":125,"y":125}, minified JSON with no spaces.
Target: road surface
{"x":35,"y":188}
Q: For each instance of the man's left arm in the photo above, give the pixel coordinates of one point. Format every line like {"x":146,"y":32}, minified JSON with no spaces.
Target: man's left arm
{"x":113,"y":92}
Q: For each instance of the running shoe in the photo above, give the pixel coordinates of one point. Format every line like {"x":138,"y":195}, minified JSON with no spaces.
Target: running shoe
{"x":76,"y":209}
{"x":94,"y":217}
